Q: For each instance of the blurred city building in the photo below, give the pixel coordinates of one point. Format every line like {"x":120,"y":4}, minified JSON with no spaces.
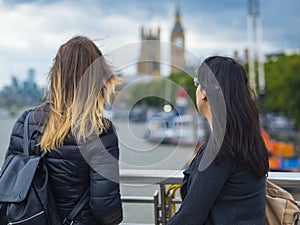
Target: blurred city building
{"x":149,"y":60}
{"x":20,"y":93}
{"x":177,"y":47}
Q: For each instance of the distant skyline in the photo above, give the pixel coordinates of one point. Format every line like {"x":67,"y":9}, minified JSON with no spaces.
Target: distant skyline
{"x":32,"y":30}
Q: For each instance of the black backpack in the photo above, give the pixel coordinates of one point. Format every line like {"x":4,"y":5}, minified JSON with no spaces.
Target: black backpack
{"x":25,"y":194}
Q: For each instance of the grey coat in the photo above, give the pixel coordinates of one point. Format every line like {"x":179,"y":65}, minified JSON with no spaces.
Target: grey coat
{"x":225,"y":193}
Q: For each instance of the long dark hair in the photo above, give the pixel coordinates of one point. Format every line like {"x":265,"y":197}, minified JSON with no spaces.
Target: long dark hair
{"x":241,"y":129}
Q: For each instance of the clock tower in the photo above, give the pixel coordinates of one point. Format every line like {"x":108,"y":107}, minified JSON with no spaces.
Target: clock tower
{"x":177,"y":45}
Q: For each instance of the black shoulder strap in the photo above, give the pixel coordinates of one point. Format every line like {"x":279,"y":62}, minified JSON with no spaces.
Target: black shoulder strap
{"x":26,"y":135}
{"x":77,"y":208}
{"x":27,"y":138}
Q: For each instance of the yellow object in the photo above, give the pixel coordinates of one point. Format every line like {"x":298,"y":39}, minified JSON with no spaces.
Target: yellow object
{"x":172,"y":192}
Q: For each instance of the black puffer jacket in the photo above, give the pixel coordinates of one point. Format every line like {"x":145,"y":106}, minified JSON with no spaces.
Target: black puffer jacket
{"x":73,"y":169}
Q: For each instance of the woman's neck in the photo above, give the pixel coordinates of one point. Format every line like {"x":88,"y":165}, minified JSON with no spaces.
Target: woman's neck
{"x":207,"y":114}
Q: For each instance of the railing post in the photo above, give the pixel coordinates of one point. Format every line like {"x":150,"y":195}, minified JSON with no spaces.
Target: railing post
{"x":156,"y":209}
{"x":163,"y":204}
{"x":170,"y":205}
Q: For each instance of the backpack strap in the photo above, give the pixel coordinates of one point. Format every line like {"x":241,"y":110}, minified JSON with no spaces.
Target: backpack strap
{"x":26,"y":135}
{"x":69,"y":220}
{"x":27,"y":138}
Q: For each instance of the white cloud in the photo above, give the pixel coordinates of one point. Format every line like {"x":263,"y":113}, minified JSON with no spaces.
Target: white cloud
{"x":32,"y":32}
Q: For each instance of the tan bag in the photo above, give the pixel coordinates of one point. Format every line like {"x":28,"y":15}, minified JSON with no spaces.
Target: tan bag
{"x":281,"y":208}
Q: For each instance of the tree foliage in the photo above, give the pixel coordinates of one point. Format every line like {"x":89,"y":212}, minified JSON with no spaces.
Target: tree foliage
{"x":282,"y":85}
{"x":150,"y":93}
{"x":186,"y":81}
{"x":160,"y":90}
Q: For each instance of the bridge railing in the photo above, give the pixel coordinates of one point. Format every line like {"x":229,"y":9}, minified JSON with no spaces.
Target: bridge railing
{"x":163,"y":178}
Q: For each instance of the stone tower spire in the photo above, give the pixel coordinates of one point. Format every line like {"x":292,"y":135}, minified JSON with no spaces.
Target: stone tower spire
{"x":177,"y":47}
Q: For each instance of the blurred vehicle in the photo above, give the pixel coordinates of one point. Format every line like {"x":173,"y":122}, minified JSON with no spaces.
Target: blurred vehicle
{"x":279,"y":122}
{"x":182,"y":130}
{"x":138,"y":114}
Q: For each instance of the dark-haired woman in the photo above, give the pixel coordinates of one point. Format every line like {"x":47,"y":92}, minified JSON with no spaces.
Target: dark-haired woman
{"x":225,"y":183}
{"x":81,"y":144}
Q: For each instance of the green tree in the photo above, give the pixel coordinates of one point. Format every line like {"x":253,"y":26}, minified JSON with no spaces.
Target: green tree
{"x":186,"y":81}
{"x":150,"y":93}
{"x":160,"y":89}
{"x":282,"y":85}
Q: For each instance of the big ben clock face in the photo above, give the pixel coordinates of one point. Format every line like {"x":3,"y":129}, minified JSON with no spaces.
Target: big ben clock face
{"x":178,"y":41}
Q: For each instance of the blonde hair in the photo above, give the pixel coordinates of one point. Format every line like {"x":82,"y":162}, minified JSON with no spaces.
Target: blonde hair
{"x":81,"y":82}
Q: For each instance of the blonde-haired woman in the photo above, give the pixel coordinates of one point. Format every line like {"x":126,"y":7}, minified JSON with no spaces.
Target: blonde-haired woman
{"x":81,"y":144}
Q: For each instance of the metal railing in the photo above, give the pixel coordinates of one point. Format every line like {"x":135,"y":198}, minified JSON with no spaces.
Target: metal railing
{"x":163,"y":178}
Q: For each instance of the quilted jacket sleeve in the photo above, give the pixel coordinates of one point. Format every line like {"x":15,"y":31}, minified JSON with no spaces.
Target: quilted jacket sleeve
{"x":102,"y":154}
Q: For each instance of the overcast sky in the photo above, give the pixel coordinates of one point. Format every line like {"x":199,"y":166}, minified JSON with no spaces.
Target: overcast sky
{"x":31,"y":31}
